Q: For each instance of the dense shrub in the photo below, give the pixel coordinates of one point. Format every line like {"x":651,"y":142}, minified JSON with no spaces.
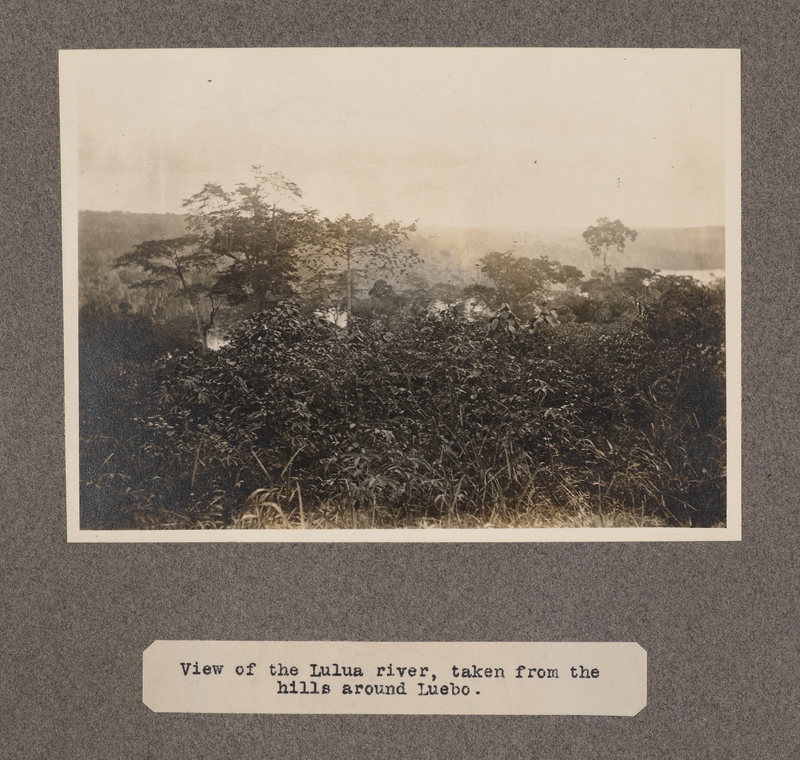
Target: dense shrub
{"x":425,"y":415}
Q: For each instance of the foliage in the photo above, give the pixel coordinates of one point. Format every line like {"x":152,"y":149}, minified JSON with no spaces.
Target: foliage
{"x":544,"y":315}
{"x":117,"y":351}
{"x":354,"y":248}
{"x":180,"y":261}
{"x":433,"y":417}
{"x":605,"y":236}
{"x":519,"y":280}
{"x":604,"y":405}
{"x":383,"y":290}
{"x":252,"y":240}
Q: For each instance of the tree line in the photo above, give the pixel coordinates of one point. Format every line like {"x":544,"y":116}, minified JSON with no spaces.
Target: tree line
{"x":247,"y":249}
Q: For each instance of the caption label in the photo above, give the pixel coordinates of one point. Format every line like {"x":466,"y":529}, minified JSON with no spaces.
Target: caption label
{"x":412,"y":678}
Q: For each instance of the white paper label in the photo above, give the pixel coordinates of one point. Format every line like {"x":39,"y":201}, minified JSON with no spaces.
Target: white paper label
{"x":412,"y":678}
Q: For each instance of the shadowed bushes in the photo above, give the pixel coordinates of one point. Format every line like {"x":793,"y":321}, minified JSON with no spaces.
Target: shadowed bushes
{"x":427,"y":420}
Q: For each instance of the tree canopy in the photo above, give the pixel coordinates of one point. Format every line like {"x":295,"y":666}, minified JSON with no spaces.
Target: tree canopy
{"x":250,"y":247}
{"x":606,"y":236}
{"x":252,"y":240}
{"x":518,"y":279}
{"x":181,"y":262}
{"x":358,"y":247}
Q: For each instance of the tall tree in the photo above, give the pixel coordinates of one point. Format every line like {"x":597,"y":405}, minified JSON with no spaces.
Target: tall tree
{"x":359,"y":247}
{"x":254,"y":233}
{"x":180,"y":262}
{"x":605,"y":236}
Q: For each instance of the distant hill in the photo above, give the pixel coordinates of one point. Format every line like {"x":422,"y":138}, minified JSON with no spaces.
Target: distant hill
{"x":693,"y":248}
{"x":449,"y":254}
{"x":104,"y":235}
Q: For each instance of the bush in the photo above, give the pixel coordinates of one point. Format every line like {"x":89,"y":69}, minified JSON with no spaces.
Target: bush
{"x":432,"y":416}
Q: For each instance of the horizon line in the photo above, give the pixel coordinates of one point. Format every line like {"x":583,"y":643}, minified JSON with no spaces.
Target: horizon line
{"x":452,"y":226}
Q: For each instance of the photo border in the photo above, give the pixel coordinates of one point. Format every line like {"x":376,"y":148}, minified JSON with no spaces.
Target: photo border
{"x":733,"y":234}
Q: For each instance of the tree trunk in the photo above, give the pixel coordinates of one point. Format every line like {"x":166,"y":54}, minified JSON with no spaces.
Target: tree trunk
{"x":201,"y":331}
{"x":606,"y":270}
{"x":349,"y":287}
{"x":195,"y":308}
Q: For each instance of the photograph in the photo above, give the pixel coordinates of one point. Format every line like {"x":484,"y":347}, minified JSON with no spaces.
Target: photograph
{"x":402,"y":294}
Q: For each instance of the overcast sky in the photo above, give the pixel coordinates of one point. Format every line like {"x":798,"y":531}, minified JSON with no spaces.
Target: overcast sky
{"x":454,"y":137}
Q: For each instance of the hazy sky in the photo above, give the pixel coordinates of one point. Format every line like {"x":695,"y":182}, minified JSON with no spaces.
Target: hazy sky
{"x":456,"y":137}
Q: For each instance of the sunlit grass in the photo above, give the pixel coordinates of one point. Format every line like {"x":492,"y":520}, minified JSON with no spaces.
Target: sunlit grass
{"x":331,"y":517}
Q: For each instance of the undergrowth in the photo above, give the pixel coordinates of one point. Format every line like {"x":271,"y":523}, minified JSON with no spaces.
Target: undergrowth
{"x":426,"y":421}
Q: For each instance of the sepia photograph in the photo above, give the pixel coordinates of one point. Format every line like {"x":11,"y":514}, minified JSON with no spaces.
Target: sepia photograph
{"x":402,"y":294}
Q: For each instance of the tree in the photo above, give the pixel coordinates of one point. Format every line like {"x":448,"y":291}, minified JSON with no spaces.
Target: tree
{"x":571,"y":276}
{"x":359,"y":246}
{"x":253,"y":238}
{"x":605,"y":236}
{"x":184,"y":262}
{"x":517,"y":278}
{"x":382,"y":290}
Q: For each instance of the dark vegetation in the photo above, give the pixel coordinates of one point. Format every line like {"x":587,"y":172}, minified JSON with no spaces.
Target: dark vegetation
{"x":534,"y":396}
